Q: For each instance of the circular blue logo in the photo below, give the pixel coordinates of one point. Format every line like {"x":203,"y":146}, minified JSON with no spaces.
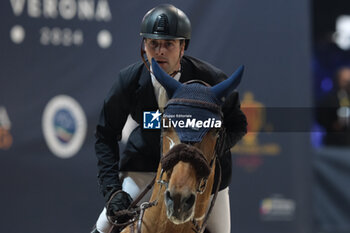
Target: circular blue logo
{"x":65,"y":125}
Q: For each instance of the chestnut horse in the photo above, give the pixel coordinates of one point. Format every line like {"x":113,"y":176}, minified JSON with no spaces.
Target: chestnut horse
{"x":185,"y":176}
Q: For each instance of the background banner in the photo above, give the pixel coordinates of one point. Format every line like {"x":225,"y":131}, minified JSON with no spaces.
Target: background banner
{"x":58,"y":60}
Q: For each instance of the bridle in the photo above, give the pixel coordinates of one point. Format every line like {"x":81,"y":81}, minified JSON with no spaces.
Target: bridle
{"x":187,"y":152}
{"x":191,"y":154}
{"x":167,"y":162}
{"x":201,"y":165}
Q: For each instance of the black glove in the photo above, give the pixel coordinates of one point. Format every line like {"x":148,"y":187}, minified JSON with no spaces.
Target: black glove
{"x":119,"y":200}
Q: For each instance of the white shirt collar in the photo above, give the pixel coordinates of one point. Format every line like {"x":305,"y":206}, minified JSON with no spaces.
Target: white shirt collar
{"x":157,"y":86}
{"x":155,"y":82}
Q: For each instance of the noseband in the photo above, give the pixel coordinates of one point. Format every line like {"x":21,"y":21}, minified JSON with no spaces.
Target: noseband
{"x":186,"y":153}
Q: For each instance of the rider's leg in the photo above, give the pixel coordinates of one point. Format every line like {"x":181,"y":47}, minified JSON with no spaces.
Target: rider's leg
{"x":102,"y":224}
{"x":133,"y":183}
{"x":220,"y":218}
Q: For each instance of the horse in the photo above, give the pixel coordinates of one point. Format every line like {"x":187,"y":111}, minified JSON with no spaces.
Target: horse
{"x":185,"y":175}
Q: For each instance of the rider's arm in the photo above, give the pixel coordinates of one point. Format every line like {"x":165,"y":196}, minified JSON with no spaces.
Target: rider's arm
{"x":235,"y":121}
{"x":112,"y":119}
{"x":235,"y":124}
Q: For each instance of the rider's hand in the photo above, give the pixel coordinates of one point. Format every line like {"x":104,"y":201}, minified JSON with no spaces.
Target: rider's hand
{"x":119,"y":200}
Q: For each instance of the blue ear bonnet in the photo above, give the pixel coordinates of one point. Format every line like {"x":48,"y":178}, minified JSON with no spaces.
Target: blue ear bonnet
{"x":200,"y":96}
{"x":192,"y":102}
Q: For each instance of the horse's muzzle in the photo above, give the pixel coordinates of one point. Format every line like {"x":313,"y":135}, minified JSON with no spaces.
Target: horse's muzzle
{"x":180,"y":208}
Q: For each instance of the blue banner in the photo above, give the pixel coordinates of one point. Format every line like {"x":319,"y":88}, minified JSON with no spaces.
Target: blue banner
{"x":58,"y":60}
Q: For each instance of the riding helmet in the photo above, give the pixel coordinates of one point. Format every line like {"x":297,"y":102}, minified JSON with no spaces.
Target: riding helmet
{"x":164,"y":22}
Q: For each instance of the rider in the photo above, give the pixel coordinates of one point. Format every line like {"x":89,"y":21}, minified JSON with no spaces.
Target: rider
{"x":166,"y":33}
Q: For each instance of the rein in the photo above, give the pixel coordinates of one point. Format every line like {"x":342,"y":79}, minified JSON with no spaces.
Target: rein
{"x":133,"y":211}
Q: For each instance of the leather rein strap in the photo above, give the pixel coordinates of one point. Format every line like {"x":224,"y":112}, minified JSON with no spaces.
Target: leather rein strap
{"x":133,"y":210}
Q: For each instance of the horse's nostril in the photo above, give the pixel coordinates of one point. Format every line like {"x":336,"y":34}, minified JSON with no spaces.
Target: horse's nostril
{"x":168,"y":199}
{"x":190,"y":201}
{"x":167,"y":195}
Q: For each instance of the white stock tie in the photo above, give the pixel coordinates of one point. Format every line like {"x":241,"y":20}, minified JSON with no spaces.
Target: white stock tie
{"x":162,"y":98}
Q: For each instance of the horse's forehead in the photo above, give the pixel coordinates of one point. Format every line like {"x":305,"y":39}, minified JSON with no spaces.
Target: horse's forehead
{"x":196,"y":91}
{"x":172,"y":138}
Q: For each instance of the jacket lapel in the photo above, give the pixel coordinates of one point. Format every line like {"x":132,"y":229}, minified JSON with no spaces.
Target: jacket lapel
{"x":145,"y":97}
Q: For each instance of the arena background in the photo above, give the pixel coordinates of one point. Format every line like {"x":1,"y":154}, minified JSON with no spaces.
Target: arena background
{"x":58,"y":60}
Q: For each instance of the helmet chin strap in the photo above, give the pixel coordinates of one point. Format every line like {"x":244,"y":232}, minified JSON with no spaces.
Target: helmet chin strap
{"x":147,"y":66}
{"x":143,"y":56}
{"x":177,"y":71}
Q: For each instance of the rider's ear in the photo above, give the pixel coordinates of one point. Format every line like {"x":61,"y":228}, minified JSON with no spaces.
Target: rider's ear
{"x":182,"y":44}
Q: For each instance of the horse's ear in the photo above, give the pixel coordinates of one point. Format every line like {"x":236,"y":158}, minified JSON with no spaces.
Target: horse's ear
{"x":169,"y":83}
{"x":169,"y":139}
{"x":227,"y":86}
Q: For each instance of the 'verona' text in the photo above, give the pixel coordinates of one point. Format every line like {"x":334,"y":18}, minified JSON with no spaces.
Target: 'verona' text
{"x":67,"y":9}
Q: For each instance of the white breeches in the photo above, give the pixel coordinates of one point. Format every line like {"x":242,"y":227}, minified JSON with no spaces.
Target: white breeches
{"x":135,"y":182}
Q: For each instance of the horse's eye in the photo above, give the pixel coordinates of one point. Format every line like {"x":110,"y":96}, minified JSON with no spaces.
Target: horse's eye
{"x":215,"y":132}
{"x":168,"y":173}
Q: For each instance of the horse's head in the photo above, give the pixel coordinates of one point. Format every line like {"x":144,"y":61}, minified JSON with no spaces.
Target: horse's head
{"x":191,"y":123}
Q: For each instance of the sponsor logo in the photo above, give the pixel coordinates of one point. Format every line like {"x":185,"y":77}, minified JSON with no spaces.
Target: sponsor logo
{"x":153,"y":120}
{"x":192,"y":123}
{"x":64,"y":126}
{"x":277,"y":208}
{"x":250,"y":150}
{"x":6,"y":139}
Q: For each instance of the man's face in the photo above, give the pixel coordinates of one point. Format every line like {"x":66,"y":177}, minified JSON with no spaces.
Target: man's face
{"x":167,"y":53}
